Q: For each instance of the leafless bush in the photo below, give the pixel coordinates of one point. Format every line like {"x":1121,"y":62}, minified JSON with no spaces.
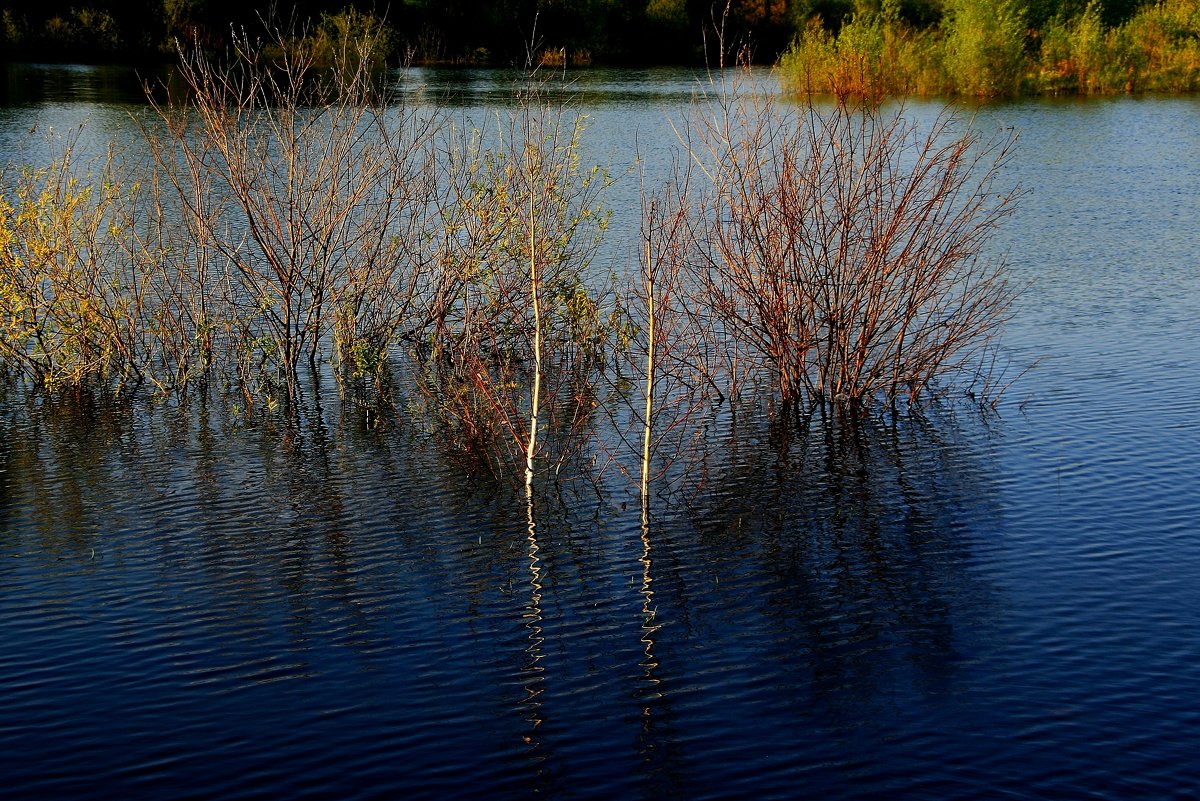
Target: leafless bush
{"x":314,"y":194}
{"x":841,"y":246}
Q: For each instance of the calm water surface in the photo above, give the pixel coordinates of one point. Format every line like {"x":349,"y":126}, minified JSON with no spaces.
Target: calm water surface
{"x":941,"y":605}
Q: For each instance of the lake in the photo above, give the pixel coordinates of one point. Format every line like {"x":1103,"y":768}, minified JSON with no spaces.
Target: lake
{"x":938,"y":604}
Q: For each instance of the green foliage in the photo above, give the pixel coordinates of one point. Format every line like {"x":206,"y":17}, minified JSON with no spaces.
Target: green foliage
{"x":350,"y":36}
{"x":986,"y":50}
{"x":1078,"y":55}
{"x":64,"y":304}
{"x":871,"y":56}
{"x":668,"y":13}
{"x":13,"y":29}
{"x":985,"y":46}
{"x":972,"y":47}
{"x":85,"y":31}
{"x":1158,"y":50}
{"x":1160,"y":47}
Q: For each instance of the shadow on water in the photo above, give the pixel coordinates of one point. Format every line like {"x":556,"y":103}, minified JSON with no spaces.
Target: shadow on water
{"x":822,"y":577}
{"x":358,"y":583}
{"x":821,"y":580}
{"x":867,"y":520}
{"x":42,"y":84}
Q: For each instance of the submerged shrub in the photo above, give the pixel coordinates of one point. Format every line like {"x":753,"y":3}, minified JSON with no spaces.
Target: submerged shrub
{"x":316,"y":193}
{"x":63,"y":306}
{"x":840,"y":249}
{"x":830,"y":254}
{"x":520,"y":334}
{"x":100,"y":285}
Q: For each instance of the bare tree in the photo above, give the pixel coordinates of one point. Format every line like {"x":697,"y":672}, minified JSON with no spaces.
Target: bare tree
{"x":312,"y":189}
{"x":842,"y":246}
{"x":669,"y":344}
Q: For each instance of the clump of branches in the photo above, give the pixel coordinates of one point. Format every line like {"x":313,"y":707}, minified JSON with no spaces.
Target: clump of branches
{"x":89,"y":298}
{"x":517,"y":342}
{"x":64,"y":312}
{"x":831,"y":254}
{"x":312,"y":190}
{"x":669,"y":350}
{"x":840,"y":246}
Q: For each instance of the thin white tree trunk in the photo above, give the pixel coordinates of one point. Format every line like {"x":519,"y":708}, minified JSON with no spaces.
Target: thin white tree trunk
{"x":648,"y":428}
{"x":535,"y":404}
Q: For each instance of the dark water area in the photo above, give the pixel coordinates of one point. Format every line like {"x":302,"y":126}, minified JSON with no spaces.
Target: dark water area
{"x":939,"y":604}
{"x":51,"y":84}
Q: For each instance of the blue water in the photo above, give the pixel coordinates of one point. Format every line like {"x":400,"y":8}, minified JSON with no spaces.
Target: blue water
{"x":940,"y":604}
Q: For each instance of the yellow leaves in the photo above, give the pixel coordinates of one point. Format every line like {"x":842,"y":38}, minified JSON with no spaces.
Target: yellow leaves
{"x":57,"y":324}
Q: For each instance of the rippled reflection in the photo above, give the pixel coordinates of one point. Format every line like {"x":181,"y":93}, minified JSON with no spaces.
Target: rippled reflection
{"x":533,"y":619}
{"x":855,"y":530}
{"x":817,"y":586}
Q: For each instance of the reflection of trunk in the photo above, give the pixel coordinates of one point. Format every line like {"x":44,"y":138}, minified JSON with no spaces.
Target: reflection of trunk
{"x":655,"y":741}
{"x":649,"y":609}
{"x":533,"y":624}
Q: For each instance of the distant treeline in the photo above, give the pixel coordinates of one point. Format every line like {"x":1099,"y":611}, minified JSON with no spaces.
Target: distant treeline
{"x":980,"y":47}
{"x":496,"y":32}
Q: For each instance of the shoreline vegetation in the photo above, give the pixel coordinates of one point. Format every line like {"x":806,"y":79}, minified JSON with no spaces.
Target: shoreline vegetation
{"x":976,"y":48}
{"x":991,"y":49}
{"x":277,"y":218}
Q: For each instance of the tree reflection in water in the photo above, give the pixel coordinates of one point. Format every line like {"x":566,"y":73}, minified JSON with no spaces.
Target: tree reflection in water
{"x":816,"y":576}
{"x":851,"y":537}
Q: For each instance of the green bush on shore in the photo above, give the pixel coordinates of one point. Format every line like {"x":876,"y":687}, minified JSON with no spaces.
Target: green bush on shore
{"x":986,"y":50}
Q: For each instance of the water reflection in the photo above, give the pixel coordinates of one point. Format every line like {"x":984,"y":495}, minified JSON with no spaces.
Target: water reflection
{"x":591,"y":87}
{"x":822,"y":570}
{"x":848,"y":542}
{"x":656,"y":739}
{"x":532,"y":669}
{"x":55,"y":457}
{"x":121,"y":85}
{"x":41,"y":84}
